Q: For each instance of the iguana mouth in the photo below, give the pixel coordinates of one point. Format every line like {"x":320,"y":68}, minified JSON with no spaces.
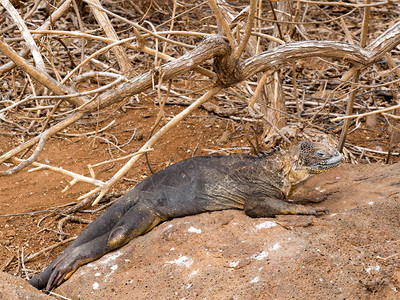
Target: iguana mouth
{"x":327,"y":164}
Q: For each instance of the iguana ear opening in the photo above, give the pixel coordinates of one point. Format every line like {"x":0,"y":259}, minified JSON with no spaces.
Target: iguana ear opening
{"x":298,"y":163}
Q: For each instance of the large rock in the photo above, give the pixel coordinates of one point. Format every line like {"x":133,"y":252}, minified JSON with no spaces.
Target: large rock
{"x":14,"y":288}
{"x":227,"y":255}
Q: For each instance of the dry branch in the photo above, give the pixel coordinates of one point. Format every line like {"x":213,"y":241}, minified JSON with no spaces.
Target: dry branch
{"x":76,"y":177}
{"x":36,"y":73}
{"x":379,"y":111}
{"x":175,"y":120}
{"x":25,"y":34}
{"x":46,"y":25}
{"x":341,"y":3}
{"x":137,"y":26}
{"x":223,"y":27}
{"x":211,"y":46}
{"x":34,"y":255}
{"x":49,"y":132}
{"x":30,"y":160}
{"x":250,"y":22}
{"x":105,"y":23}
{"x":356,"y":77}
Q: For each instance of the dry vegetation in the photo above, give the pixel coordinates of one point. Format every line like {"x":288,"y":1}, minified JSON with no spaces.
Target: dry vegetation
{"x":282,"y":70}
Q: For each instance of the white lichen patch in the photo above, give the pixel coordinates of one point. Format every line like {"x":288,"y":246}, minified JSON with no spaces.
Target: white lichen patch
{"x":275,"y":247}
{"x":193,"y":273}
{"x":93,"y":265}
{"x":95,"y":285}
{"x":113,"y":268}
{"x":261,"y":255}
{"x":182,"y":261}
{"x":110,"y":257}
{"x":320,"y":189}
{"x":234,"y":264}
{"x":371,"y":268}
{"x":266,"y":225}
{"x":194,"y":230}
{"x":97,"y":274}
{"x":255,"y":279}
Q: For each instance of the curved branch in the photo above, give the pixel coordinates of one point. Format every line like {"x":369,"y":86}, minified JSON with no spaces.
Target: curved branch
{"x":292,"y":51}
{"x":31,"y":159}
{"x":357,"y":55}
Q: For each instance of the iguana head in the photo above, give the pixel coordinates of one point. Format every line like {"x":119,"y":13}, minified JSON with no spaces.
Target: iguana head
{"x":316,"y":157}
{"x":307,"y":158}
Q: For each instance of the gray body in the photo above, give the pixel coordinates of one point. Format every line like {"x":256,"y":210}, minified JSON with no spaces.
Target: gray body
{"x":259,"y":185}
{"x":207,"y":183}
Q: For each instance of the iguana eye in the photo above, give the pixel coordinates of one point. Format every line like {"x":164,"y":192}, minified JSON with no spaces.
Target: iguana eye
{"x":320,"y":154}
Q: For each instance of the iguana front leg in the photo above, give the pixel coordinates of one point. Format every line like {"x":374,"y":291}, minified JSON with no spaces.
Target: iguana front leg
{"x":259,"y":205}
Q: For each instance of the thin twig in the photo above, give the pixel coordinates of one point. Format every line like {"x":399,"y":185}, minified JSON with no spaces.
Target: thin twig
{"x":30,"y":160}
{"x":249,"y":26}
{"x":36,"y":73}
{"x":34,"y":255}
{"x":105,"y":23}
{"x":366,"y":114}
{"x":76,"y":177}
{"x":50,"y":20}
{"x":25,"y":34}
{"x":223,"y":26}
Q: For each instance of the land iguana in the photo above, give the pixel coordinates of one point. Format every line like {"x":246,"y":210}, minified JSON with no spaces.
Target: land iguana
{"x":258,"y":184}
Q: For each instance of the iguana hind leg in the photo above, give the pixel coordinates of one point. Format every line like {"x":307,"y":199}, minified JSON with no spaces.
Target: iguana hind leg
{"x":136,"y":221}
{"x":102,"y":225}
{"x":259,"y":205}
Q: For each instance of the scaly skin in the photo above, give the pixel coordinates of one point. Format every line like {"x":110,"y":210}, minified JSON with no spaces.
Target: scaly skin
{"x":259,"y":185}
